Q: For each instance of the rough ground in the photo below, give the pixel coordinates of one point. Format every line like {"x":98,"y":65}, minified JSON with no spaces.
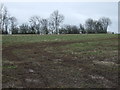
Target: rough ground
{"x":45,"y":65}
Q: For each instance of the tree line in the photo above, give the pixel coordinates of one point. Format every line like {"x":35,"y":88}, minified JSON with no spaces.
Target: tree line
{"x":52,"y":25}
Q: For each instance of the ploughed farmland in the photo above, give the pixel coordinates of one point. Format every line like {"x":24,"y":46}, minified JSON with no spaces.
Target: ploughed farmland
{"x":60,"y":61}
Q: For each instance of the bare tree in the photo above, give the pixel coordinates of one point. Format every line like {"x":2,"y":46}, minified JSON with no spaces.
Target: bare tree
{"x":105,"y":23}
{"x":51,"y":26}
{"x":98,"y":27}
{"x":13,"y":24}
{"x":1,"y":16}
{"x":35,"y":22}
{"x":89,"y":25}
{"x":24,"y":28}
{"x":55,"y":20}
{"x":44,"y":26}
{"x":82,"y":29}
{"x":4,"y":19}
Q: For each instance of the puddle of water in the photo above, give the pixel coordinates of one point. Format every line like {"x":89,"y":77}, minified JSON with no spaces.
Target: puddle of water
{"x":105,"y":63}
{"x":31,"y":71}
{"x":57,"y":60}
{"x":31,"y":80}
{"x":96,"y":77}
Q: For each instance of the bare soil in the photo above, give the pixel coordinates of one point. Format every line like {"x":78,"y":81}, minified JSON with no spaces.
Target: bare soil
{"x":37,"y":67}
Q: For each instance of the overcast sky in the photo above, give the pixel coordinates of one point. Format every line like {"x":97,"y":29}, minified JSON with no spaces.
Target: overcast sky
{"x":74,"y":12}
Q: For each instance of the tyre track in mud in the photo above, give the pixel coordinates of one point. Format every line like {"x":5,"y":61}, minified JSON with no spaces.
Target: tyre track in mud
{"x":8,"y":54}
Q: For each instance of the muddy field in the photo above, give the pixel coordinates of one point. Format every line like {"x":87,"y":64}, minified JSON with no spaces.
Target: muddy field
{"x":63,"y":64}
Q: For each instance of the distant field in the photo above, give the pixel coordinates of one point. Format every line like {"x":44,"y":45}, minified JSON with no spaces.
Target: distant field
{"x":16,"y":39}
{"x":63,"y":61}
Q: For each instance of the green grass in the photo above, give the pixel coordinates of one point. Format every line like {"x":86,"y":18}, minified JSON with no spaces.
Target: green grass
{"x":17,"y":39}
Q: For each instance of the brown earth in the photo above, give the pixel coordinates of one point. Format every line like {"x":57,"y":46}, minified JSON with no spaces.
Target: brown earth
{"x":37,"y":67}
